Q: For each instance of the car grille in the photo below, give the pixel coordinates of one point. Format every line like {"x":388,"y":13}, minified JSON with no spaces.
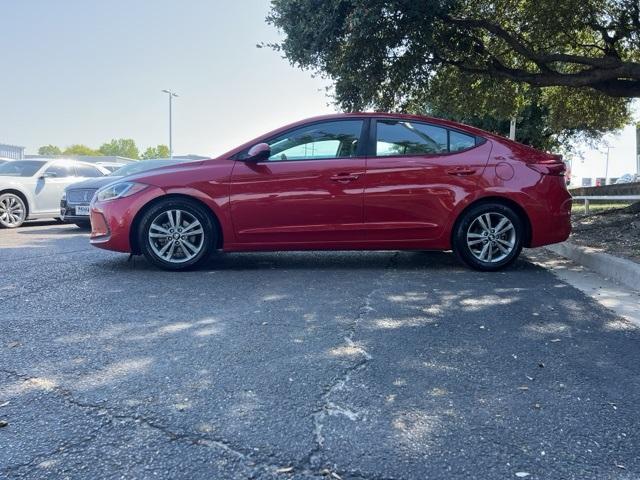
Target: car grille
{"x":80,"y":195}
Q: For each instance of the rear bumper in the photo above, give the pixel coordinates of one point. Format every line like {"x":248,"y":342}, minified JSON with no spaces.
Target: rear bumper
{"x":111,"y":221}
{"x":551,"y":219}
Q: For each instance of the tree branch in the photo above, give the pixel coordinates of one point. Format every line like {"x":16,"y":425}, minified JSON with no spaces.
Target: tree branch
{"x":521,"y":47}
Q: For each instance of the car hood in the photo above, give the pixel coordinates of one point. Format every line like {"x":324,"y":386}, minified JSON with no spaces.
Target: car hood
{"x":93,"y":183}
{"x":169,"y":171}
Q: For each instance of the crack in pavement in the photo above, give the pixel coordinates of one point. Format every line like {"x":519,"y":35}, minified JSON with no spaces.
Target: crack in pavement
{"x":255,"y":465}
{"x":329,"y":408}
{"x":193,"y":439}
{"x":311,"y":465}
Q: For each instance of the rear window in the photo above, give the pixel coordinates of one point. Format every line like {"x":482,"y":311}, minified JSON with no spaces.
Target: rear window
{"x":18,"y":168}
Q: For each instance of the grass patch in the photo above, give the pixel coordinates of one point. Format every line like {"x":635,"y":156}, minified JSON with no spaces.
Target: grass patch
{"x":597,"y":206}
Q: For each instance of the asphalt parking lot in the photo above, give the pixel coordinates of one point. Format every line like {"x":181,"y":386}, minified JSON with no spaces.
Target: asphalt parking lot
{"x":380,"y":365}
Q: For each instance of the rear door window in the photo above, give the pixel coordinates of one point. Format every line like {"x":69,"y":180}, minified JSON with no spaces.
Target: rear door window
{"x":60,"y":171}
{"x":409,"y":138}
{"x":87,"y":171}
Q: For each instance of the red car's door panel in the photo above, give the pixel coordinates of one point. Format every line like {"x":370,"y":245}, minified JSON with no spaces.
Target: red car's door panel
{"x":412,"y":197}
{"x":295,"y":202}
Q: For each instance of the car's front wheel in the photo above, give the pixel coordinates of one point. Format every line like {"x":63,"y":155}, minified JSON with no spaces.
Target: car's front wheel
{"x":177,"y":234}
{"x":488,"y":237}
{"x":13,"y":211}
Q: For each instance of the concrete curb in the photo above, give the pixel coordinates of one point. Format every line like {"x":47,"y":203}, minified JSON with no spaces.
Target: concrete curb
{"x":622,"y":270}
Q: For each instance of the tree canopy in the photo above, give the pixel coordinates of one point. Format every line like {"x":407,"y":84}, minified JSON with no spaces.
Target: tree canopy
{"x":79,"y":149}
{"x":159,"y":151}
{"x":122,"y":147}
{"x":49,"y":150}
{"x":575,"y":62}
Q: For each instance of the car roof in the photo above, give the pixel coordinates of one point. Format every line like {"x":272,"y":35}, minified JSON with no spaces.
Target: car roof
{"x":67,"y":161}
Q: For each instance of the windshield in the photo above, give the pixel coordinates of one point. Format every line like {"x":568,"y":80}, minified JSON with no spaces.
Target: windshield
{"x":140,"y":167}
{"x":18,"y":168}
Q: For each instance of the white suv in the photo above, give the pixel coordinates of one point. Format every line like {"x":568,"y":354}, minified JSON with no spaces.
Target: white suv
{"x":32,"y":189}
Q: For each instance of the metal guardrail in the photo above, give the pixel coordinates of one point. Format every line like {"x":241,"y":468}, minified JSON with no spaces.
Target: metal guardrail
{"x":616,"y":198}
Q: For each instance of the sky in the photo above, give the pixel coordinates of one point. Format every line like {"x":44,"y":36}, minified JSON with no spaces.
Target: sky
{"x":87,"y":71}
{"x":592,"y":162}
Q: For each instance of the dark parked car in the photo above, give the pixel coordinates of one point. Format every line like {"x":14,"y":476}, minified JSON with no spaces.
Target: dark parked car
{"x":74,"y":206}
{"x":368,"y":181}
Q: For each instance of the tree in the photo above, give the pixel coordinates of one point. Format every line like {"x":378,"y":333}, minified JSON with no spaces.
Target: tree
{"x":548,"y":118}
{"x":159,"y":151}
{"x":122,"y":147}
{"x":451,"y":58}
{"x":79,"y":149}
{"x":49,"y":150}
{"x":402,"y":43}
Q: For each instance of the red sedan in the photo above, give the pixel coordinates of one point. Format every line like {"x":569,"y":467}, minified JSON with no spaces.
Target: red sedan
{"x":367,"y":181}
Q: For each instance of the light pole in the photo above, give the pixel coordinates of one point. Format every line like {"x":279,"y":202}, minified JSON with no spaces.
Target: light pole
{"x":606,"y":168}
{"x":171,"y":95}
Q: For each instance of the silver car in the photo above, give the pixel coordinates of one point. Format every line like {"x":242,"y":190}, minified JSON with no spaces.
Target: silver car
{"x":31,"y":189}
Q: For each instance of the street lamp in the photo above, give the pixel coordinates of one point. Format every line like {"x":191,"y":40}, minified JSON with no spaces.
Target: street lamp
{"x":606,"y":168}
{"x":171,"y":95}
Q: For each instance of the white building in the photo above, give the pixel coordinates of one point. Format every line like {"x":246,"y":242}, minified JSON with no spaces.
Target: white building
{"x":13,"y":152}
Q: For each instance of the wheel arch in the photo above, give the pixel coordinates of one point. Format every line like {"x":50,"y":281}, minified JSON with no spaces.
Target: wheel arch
{"x":133,"y":237}
{"x":20,"y":194}
{"x":515,"y":206}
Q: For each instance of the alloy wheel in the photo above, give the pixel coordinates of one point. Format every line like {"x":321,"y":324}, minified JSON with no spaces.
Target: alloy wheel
{"x":491,"y":237}
{"x":12,"y":211}
{"x":176,"y":236}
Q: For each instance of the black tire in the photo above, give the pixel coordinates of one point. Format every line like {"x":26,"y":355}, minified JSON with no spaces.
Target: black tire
{"x":471,"y":219}
{"x":191,"y":210}
{"x":83,"y":225}
{"x":13,"y":210}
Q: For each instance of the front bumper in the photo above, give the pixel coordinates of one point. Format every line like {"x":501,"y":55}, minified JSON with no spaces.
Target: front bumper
{"x":111,"y":220}
{"x":67,"y":214}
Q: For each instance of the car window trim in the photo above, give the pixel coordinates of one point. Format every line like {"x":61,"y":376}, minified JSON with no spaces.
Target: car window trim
{"x":361,"y":152}
{"x":373,"y":139}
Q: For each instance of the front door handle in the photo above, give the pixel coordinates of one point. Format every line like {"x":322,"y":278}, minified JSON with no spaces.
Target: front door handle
{"x":344,"y":177}
{"x":461,"y":171}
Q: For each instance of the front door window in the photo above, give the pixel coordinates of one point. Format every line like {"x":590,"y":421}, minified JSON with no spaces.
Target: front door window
{"x":337,"y":139}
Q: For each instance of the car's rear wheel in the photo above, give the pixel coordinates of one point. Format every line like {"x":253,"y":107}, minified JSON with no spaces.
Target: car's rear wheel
{"x":488,"y":237}
{"x":13,"y":211}
{"x":177,"y":234}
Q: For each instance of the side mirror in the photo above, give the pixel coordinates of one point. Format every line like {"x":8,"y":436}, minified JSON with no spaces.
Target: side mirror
{"x":259,"y":153}
{"x":49,"y":175}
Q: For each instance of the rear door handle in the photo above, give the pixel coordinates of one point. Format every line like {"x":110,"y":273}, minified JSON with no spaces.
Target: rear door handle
{"x":461,"y":171}
{"x":344,"y":177}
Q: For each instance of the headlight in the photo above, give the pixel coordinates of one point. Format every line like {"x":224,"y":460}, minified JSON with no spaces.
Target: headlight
{"x":119,"y":190}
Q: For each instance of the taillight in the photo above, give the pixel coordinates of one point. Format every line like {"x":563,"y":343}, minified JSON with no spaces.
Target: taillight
{"x":549,"y":167}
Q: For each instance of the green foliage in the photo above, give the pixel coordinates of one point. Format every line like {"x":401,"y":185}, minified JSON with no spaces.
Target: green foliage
{"x":79,"y":149}
{"x":122,"y":147}
{"x":564,"y":68}
{"x":547,"y":118}
{"x":49,"y":150}
{"x":159,"y":151}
